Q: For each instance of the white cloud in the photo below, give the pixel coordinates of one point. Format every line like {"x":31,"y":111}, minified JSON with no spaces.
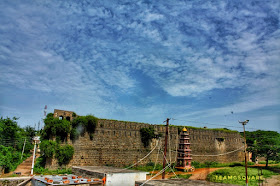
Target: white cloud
{"x":92,"y":52}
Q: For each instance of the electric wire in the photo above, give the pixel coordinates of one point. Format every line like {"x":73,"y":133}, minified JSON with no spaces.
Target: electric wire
{"x":143,"y":157}
{"x":160,"y":172}
{"x":213,"y":124}
{"x":157,"y":157}
{"x":170,"y":166}
{"x":214,"y":154}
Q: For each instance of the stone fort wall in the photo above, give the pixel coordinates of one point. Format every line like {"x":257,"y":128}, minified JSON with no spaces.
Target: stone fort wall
{"x":118,"y":143}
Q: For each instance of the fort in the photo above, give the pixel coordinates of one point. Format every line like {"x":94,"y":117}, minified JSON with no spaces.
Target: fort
{"x":118,"y":143}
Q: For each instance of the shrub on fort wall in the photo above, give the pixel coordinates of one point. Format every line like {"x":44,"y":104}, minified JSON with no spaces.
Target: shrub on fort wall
{"x":83,"y":124}
{"x":55,"y":127}
{"x":64,"y":154}
{"x":48,"y":148}
{"x":60,"y":130}
{"x":147,"y":134}
{"x":51,"y":149}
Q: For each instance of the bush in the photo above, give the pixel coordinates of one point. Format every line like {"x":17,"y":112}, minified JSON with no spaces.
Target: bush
{"x":88,"y":123}
{"x":40,"y":163}
{"x":235,"y":164}
{"x":9,"y":158}
{"x":64,"y":154}
{"x":48,"y":148}
{"x":250,"y":163}
{"x":91,"y":123}
{"x":182,"y":176}
{"x":147,"y":134}
{"x":12,"y":139}
{"x":41,"y":170}
{"x":150,"y":164}
{"x":55,"y":127}
{"x":74,"y":134}
{"x":149,"y":167}
{"x":269,"y":162}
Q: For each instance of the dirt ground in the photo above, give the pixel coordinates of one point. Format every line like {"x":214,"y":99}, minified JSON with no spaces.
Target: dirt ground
{"x":201,"y":174}
{"x":198,"y":174}
{"x":274,"y":180}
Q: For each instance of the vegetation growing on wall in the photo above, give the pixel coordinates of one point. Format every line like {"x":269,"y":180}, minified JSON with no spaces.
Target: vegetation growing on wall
{"x":51,"y":149}
{"x":147,"y":134}
{"x":60,"y":129}
{"x":83,"y":124}
{"x":54,"y":127}
{"x":64,"y":154}
{"x":48,"y":148}
{"x":180,"y":128}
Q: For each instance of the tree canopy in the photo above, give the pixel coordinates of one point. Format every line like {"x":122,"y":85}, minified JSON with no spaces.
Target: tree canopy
{"x":264,"y":144}
{"x":12,"y":138}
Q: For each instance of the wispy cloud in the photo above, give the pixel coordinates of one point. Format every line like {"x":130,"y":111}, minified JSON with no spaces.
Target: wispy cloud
{"x":100,"y":52}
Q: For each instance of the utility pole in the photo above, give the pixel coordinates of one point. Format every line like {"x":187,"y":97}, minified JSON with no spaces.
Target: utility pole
{"x":165,"y":147}
{"x":35,"y":139}
{"x":245,"y":145}
{"x":33,"y":159}
{"x":23,"y":148}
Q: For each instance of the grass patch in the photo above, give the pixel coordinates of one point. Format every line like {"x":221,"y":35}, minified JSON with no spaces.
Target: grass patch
{"x":182,"y":176}
{"x":213,"y":164}
{"x":201,"y":128}
{"x":269,"y":162}
{"x":275,"y":168}
{"x":236,"y":175}
{"x":44,"y":171}
{"x":13,"y":175}
{"x":148,"y":168}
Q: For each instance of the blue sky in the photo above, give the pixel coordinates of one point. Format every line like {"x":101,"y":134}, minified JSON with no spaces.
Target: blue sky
{"x":198,"y":62}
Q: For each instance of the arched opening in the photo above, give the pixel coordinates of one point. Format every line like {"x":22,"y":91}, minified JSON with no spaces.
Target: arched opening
{"x":60,"y":118}
{"x":68,"y":118}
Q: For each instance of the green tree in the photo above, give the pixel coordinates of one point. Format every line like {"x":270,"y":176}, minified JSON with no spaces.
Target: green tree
{"x":30,"y":132}
{"x":55,"y":127}
{"x":12,"y":138}
{"x":9,"y":131}
{"x":86,"y":124}
{"x":48,"y":148}
{"x":264,"y":144}
{"x":64,"y":154}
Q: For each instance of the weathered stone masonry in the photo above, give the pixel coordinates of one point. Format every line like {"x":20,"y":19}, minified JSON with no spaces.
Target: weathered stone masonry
{"x":118,"y":143}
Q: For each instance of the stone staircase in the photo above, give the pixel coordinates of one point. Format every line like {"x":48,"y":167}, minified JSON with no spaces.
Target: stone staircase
{"x":24,"y":169}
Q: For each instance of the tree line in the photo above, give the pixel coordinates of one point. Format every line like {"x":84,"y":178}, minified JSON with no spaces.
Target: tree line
{"x":263,"y":144}
{"x":12,"y":139}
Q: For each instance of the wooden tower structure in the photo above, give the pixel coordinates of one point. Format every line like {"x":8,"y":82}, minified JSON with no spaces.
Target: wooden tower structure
{"x":184,"y":152}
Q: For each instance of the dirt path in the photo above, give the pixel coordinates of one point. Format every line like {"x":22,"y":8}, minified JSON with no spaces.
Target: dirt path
{"x":274,"y":180}
{"x":25,"y":167}
{"x":198,"y":174}
{"x":201,"y":174}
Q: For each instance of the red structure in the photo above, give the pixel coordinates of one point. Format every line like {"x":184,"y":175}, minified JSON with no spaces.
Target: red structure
{"x":184,"y":152}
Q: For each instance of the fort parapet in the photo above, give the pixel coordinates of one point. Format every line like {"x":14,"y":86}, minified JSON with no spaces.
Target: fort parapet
{"x":118,"y":143}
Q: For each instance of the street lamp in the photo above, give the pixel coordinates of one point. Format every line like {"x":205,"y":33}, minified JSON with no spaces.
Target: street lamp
{"x":246,"y":173}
